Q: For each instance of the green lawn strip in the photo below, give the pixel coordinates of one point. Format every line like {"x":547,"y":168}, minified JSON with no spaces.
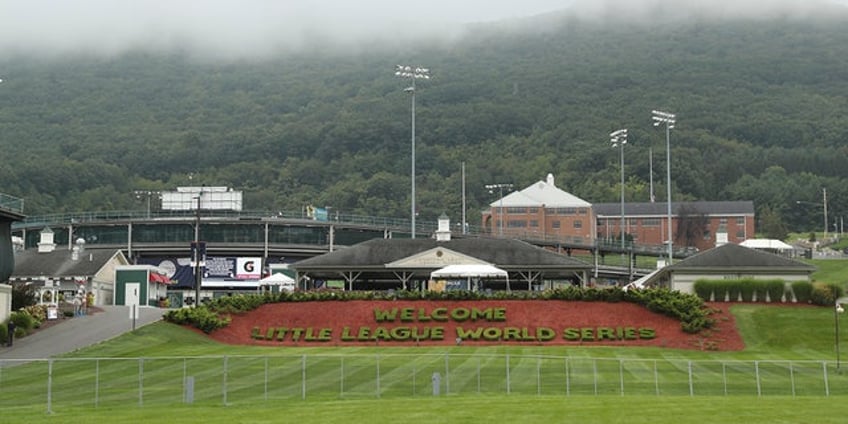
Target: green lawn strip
{"x":473,"y":409}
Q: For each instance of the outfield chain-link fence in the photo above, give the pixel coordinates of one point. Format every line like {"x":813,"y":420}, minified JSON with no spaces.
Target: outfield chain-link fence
{"x":228,"y":380}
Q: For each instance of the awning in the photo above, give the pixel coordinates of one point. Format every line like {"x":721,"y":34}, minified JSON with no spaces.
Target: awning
{"x":469,"y":271}
{"x":277,"y":278}
{"x":155,"y":277}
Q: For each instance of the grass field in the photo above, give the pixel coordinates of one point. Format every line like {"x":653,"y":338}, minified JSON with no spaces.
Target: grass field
{"x":772,"y":334}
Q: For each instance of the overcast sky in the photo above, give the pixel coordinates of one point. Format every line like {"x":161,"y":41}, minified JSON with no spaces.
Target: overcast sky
{"x":263,"y":27}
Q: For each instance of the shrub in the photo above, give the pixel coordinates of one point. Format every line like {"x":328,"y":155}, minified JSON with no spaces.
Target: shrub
{"x":734,"y":289}
{"x":746,"y":289}
{"x":802,"y":290}
{"x":704,"y":289}
{"x":760,"y":289}
{"x":200,"y":317}
{"x":825,"y":294}
{"x":23,"y":321}
{"x":776,"y":290}
{"x":720,"y":290}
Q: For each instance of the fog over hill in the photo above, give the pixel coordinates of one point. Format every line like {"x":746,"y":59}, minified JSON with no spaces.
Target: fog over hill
{"x":251,"y":29}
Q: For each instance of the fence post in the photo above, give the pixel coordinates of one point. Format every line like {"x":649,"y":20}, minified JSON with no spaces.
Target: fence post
{"x":724,"y":376}
{"x":656,"y":378}
{"x":538,"y":375}
{"x":567,"y":379}
{"x":595,"y":375}
{"x":378,"y":376}
{"x":792,"y":377}
{"x":266,"y":378}
{"x":507,"y":374}
{"x":757,"y":375}
{"x":224,"y":383}
{"x":185,"y":380}
{"x":49,"y":386}
{"x":341,"y":377}
{"x":691,"y":384}
{"x":621,"y":375}
{"x":447,"y":374}
{"x":478,"y":375}
{"x":303,"y":377}
{"x":96,"y":382}
{"x":826,"y":385}
{"x":140,"y":382}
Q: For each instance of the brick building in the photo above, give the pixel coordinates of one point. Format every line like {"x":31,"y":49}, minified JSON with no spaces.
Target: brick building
{"x":545,"y":212}
{"x":542,"y":211}
{"x":702,"y":225}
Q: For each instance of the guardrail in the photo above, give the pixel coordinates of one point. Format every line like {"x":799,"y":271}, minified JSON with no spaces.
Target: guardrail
{"x":11,"y":203}
{"x":229,"y":380}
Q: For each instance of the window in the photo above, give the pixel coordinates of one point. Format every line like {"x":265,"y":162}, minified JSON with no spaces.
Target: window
{"x":534,"y":223}
{"x":650,"y":222}
{"x":515,"y":210}
{"x":740,"y":221}
{"x":565,"y":211}
{"x":532,"y":210}
{"x":578,"y":223}
{"x":740,"y":235}
{"x":555,"y":224}
{"x":707,"y":235}
{"x":516,"y":223}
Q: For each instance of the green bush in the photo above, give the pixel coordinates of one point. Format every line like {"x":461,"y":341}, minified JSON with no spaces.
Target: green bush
{"x":825,"y":293}
{"x":734,"y":289}
{"x":776,"y":289}
{"x":23,"y":321}
{"x":802,"y":290}
{"x":760,"y":289}
{"x":720,"y":290}
{"x":704,"y":289}
{"x":200,"y":317}
{"x":747,"y":289}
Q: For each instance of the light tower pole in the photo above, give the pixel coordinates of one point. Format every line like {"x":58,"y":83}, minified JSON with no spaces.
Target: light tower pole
{"x":619,"y":139}
{"x":413,"y":73}
{"x":668,"y":119}
{"x":500,"y":187}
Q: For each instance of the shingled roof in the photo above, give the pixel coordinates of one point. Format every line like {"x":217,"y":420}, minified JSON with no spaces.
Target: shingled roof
{"x":31,"y":264}
{"x":733,"y":257}
{"x":503,"y":253}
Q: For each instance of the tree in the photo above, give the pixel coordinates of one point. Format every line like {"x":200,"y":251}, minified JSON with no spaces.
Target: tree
{"x":771,"y":223}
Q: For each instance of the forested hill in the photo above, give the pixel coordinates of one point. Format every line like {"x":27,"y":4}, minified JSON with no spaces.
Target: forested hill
{"x":761,"y":106}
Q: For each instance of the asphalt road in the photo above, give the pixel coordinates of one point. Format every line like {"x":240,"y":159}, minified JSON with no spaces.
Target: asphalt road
{"x":76,"y":333}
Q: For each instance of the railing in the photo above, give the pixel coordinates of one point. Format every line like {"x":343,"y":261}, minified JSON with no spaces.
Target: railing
{"x":393,"y":224}
{"x":11,"y":203}
{"x":227,"y":380}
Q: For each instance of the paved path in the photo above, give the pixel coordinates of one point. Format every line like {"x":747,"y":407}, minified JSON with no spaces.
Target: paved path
{"x":76,"y":333}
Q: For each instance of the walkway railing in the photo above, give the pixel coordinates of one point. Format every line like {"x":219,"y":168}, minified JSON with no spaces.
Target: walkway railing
{"x":227,"y":380}
{"x":11,"y":203}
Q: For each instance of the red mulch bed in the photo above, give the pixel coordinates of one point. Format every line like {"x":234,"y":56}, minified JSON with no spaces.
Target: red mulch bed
{"x":530,"y":314}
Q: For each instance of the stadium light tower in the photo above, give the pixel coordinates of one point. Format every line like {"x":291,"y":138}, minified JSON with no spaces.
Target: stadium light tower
{"x":619,"y":139}
{"x":500,"y":187}
{"x":668,"y":119}
{"x":413,"y":73}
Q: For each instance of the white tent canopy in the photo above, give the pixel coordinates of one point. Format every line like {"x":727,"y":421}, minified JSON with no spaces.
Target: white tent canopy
{"x":469,"y":271}
{"x":277,"y":279}
{"x":766,"y":244}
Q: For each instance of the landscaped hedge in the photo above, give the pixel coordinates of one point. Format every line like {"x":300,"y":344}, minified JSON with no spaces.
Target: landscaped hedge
{"x":802,"y":290}
{"x":825,"y":294}
{"x":687,"y":308}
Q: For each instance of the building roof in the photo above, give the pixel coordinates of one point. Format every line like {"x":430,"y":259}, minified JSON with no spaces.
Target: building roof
{"x":503,"y":253}
{"x":542,"y":193}
{"x":733,"y":258}
{"x":725,"y":208}
{"x":31,"y":264}
{"x":766,"y":244}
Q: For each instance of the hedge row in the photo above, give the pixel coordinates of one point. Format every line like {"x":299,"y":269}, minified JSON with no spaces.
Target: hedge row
{"x":753,"y":290}
{"x":689,"y":309}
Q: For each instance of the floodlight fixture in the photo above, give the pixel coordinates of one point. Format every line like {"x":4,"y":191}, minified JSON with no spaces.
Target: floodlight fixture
{"x":669,"y":119}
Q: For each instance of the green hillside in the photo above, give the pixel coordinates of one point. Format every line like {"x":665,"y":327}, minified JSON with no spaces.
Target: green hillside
{"x":760,"y":104}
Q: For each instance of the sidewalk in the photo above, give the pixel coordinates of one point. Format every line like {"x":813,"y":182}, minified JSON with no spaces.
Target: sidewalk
{"x":79,"y":332}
